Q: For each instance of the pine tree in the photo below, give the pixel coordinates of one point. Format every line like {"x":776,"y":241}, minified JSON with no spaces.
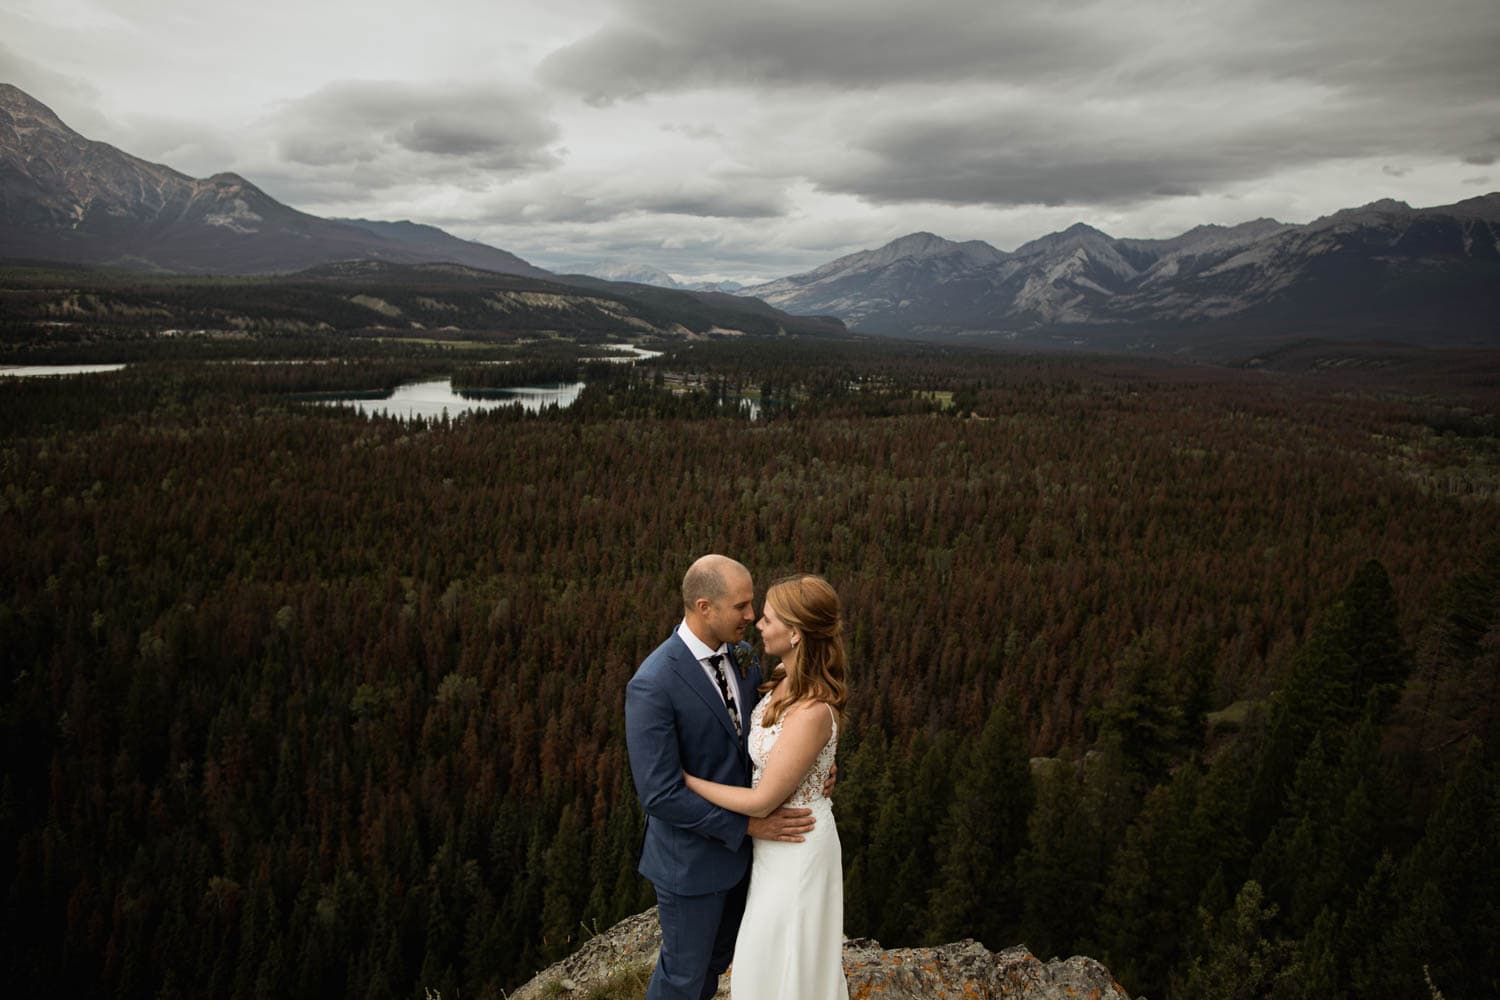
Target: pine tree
{"x":976,"y":893}
{"x":1061,"y":872}
{"x":1143,"y":719}
{"x":1316,"y":971}
{"x":1341,"y":956}
{"x":1239,"y":963}
{"x":566,"y":888}
{"x":1154,"y":883}
{"x":1449,"y":884}
{"x":1353,"y":656}
{"x":859,"y":796}
{"x":894,"y":879}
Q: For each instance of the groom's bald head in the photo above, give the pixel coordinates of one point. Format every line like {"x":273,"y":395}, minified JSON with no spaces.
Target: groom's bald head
{"x":711,"y":578}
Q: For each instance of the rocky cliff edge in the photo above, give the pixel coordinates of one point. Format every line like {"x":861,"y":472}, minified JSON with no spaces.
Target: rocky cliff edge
{"x":965,"y":969}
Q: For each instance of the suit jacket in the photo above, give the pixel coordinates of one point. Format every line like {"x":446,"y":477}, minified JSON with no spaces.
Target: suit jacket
{"x":675,"y":721}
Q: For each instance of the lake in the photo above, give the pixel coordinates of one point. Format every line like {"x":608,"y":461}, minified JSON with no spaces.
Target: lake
{"x":29,"y":371}
{"x":429,"y":400}
{"x":632,"y":354}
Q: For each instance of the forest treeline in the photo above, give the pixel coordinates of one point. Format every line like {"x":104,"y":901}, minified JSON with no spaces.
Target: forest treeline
{"x":59,"y":314}
{"x":1191,"y":670}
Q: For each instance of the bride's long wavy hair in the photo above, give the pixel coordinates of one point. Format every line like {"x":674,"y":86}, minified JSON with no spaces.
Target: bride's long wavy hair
{"x":819,"y":670}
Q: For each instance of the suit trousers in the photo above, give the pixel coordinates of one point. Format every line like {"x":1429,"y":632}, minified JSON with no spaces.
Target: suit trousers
{"x":697,"y":941}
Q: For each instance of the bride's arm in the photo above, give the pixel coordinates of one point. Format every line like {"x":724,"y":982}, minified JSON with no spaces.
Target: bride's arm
{"x":805,"y":730}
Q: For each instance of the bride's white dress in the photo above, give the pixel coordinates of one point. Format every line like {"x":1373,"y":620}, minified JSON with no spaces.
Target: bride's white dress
{"x":791,"y":941}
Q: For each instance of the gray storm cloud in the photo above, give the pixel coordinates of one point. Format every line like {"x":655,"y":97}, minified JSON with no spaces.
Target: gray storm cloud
{"x":1443,"y":46}
{"x":412,"y":128}
{"x":608,"y":199}
{"x":673,"y":45}
{"x":1100,"y":102}
{"x":1068,"y":149}
{"x":722,"y":136}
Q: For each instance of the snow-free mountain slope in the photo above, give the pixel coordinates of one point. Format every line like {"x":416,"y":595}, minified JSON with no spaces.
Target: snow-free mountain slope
{"x":65,"y":197}
{"x":1428,"y":275}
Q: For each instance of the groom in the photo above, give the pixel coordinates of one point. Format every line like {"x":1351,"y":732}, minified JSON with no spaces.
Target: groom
{"x":687,"y":709}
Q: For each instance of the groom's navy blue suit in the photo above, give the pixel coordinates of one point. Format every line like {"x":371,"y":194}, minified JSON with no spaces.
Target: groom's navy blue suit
{"x":696,"y":854}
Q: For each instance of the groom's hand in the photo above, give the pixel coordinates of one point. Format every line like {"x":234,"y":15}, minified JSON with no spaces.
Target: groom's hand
{"x":787,"y":825}
{"x":833,"y":779}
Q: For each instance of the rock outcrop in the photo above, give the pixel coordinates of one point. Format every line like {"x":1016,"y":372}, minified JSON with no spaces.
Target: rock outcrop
{"x":963,"y":970}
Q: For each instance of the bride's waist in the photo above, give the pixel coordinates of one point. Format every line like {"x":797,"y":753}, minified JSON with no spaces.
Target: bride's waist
{"x":817,"y":802}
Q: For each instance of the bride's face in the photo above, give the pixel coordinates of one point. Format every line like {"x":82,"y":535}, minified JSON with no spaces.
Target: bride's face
{"x":778,"y":637}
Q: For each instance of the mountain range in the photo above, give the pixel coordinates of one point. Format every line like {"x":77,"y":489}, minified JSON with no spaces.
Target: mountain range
{"x":1386,"y":270}
{"x":1428,"y":276}
{"x":67,"y":198}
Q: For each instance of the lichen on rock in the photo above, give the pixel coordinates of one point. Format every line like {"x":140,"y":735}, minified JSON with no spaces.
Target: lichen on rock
{"x":965,"y":969}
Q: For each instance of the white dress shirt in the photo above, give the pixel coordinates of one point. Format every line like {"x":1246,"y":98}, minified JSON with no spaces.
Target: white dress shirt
{"x":697,"y":647}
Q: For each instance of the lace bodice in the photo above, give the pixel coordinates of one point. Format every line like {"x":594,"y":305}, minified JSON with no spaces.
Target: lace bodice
{"x":762,"y":740}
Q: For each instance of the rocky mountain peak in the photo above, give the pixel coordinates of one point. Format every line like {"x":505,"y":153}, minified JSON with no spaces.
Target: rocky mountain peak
{"x":25,"y":121}
{"x":1255,"y":227}
{"x":1385,"y":205}
{"x":1084,"y":229}
{"x":921,"y":247}
{"x":1383,"y":208}
{"x":1079,"y":234}
{"x":923,"y":244}
{"x":886,"y":276}
{"x":17,"y":102}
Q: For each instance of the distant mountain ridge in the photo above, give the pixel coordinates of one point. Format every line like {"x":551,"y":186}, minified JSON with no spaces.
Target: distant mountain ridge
{"x":1429,"y":275}
{"x":64,"y":197}
{"x":645,"y":274}
{"x":443,"y":247}
{"x":440,"y":300}
{"x":640,"y":274}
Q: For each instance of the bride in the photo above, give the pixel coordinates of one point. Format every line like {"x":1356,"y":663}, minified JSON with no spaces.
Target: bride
{"x":790,"y":943}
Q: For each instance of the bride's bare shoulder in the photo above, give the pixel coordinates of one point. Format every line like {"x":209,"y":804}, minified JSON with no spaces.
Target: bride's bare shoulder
{"x":813,"y":713}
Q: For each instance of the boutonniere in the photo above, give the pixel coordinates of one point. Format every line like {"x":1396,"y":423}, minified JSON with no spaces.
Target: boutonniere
{"x":743,"y":656}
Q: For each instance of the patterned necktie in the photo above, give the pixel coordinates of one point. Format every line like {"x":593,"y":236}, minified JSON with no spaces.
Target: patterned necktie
{"x":716,"y":661}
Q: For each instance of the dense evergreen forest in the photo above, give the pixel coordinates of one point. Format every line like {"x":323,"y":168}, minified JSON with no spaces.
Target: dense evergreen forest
{"x":1193,"y":670}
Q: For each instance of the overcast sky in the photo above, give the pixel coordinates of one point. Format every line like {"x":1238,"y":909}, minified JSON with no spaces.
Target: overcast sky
{"x":754,"y":140}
